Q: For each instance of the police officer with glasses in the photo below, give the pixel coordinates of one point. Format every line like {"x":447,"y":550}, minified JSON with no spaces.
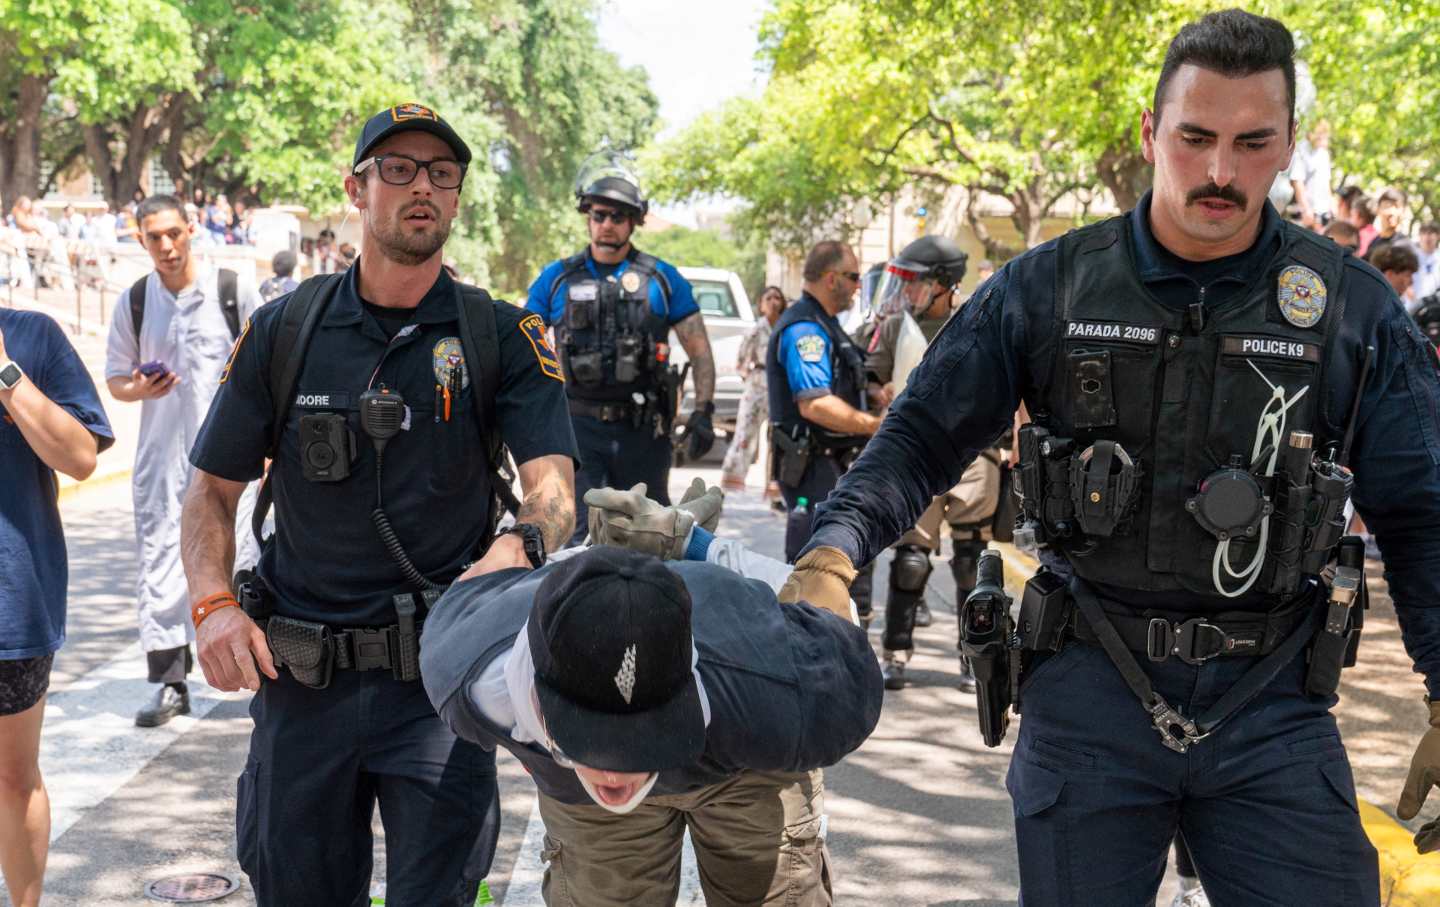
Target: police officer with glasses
{"x":381,"y":394}
{"x":612,"y":308}
{"x":1207,"y":385}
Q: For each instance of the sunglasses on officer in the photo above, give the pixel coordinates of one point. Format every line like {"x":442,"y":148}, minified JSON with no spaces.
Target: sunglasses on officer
{"x":852,"y":276}
{"x":601,"y":215}
{"x":401,"y":169}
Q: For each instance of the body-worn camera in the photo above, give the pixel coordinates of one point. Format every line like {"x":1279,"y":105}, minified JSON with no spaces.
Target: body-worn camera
{"x":327,"y":447}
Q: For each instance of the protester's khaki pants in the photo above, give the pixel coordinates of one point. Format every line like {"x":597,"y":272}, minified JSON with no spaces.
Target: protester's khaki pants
{"x":757,"y":842}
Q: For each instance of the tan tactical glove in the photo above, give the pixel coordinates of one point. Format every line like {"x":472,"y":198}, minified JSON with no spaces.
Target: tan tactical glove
{"x":1424,"y":773}
{"x":628,"y":519}
{"x":822,"y":578}
{"x":704,"y":504}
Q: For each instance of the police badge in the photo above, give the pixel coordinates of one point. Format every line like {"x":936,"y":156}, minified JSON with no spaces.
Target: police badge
{"x":630,"y":281}
{"x":448,"y":354}
{"x":1301,"y":295}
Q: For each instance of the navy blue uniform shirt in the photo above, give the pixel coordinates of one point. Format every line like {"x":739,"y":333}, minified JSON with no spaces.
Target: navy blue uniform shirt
{"x":33,"y":570}
{"x":977,"y":371}
{"x":326,"y":561}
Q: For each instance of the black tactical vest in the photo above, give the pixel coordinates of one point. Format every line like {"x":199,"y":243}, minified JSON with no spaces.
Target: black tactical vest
{"x":608,"y":335}
{"x":1182,"y":391}
{"x":847,"y":369}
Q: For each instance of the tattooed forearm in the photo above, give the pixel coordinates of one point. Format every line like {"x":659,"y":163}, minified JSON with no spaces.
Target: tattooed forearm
{"x":691,"y":331}
{"x":548,"y":485}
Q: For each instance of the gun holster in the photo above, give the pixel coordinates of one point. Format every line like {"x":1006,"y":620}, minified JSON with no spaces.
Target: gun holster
{"x":305,"y":647}
{"x":792,"y":456}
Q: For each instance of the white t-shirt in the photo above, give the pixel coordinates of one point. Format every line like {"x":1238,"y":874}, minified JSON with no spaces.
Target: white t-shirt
{"x":1311,"y":167}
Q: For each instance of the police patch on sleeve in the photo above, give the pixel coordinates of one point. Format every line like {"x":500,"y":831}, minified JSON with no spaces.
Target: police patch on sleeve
{"x":230,"y":363}
{"x":1301,"y":296}
{"x":811,"y":348}
{"x":447,"y":356}
{"x":534,"y":328}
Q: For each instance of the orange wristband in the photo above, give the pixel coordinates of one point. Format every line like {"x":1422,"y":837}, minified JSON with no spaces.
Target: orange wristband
{"x":209,"y":605}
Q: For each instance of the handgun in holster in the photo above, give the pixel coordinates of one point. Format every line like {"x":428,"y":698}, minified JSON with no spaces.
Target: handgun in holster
{"x":1338,"y":641}
{"x":792,"y":454}
{"x":986,"y":632}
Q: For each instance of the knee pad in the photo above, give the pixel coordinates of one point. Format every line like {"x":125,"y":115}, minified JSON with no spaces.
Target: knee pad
{"x":910,"y":569}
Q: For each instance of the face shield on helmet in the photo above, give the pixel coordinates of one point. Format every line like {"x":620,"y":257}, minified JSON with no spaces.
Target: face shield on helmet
{"x":905,"y":288}
{"x":608,"y":176}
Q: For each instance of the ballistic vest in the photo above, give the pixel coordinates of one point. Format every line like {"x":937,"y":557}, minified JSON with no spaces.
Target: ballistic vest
{"x":608,"y":335}
{"x":1182,"y":391}
{"x":847,"y":374}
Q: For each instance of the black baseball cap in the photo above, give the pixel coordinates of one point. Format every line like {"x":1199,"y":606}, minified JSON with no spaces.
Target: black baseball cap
{"x":610,"y":637}
{"x":403,"y":118}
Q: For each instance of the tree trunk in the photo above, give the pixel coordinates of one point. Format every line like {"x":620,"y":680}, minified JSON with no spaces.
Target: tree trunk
{"x":22,"y":156}
{"x":1029,"y":214}
{"x":995,"y":250}
{"x":1124,"y":172}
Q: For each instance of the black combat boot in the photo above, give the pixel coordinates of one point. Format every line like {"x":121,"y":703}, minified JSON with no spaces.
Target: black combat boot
{"x":170,"y":700}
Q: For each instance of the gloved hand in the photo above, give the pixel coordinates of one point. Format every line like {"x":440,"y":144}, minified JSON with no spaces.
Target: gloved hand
{"x":1424,"y":773}
{"x":700,"y":432}
{"x":704,"y":504}
{"x":629,"y":519}
{"x":822,"y":578}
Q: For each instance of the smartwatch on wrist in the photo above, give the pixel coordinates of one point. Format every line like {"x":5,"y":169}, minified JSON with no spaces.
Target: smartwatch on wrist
{"x":10,"y":375}
{"x":533,"y":541}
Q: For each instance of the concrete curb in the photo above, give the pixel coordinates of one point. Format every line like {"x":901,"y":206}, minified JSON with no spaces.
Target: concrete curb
{"x":71,"y":490}
{"x":1407,"y":879}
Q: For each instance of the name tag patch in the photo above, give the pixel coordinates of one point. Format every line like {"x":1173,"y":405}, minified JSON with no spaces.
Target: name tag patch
{"x":339,"y":400}
{"x":1111,"y":330}
{"x":1272,"y":347}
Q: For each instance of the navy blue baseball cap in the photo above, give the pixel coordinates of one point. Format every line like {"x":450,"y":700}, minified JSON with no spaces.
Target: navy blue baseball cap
{"x":403,"y":118}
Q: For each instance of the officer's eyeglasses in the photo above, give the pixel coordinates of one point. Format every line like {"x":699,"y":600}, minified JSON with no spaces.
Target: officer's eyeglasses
{"x":400,"y":170}
{"x":614,"y":217}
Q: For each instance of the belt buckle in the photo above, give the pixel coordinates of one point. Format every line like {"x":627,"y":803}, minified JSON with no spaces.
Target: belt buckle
{"x":1160,"y":639}
{"x":1186,"y":635}
{"x":371,"y":648}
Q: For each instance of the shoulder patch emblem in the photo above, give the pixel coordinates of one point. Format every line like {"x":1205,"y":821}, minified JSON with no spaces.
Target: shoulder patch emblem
{"x":533,"y":327}
{"x":449,"y":354}
{"x":811,"y":348}
{"x":1301,"y":296}
{"x":234,"y":350}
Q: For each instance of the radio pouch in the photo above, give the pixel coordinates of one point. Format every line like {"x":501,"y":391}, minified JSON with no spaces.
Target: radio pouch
{"x":306,"y":648}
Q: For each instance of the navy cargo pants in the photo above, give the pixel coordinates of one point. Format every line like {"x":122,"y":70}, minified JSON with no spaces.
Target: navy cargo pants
{"x":617,"y":455}
{"x":1267,"y":803}
{"x":319,"y":761}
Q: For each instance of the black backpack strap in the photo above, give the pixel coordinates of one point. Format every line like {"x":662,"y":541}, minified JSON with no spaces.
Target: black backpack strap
{"x":480,"y":340}
{"x":137,"y":305}
{"x":569,"y":266}
{"x":230,"y":300}
{"x":298,"y":320}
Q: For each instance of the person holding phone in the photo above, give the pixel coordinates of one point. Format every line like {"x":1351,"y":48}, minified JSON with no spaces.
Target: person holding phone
{"x":169,"y":341}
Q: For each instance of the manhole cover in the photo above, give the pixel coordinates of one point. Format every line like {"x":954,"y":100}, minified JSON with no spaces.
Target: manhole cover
{"x":192,"y":888}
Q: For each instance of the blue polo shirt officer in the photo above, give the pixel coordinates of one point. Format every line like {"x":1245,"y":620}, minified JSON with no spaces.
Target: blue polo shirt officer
{"x":818,"y":406}
{"x":612,"y":308}
{"x":384,"y":495}
{"x":1205,"y":381}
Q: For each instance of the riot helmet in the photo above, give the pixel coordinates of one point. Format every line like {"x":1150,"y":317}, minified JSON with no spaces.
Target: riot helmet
{"x":1428,"y":317}
{"x":608,"y":176}
{"x":929,"y":267}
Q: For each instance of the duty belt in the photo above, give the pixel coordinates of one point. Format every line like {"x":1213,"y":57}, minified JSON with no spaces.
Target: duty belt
{"x":370,"y":648}
{"x":605,"y":412}
{"x":1196,"y":640}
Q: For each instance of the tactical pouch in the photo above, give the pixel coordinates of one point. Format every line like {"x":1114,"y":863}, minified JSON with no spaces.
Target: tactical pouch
{"x":306,"y":648}
{"x":586,"y":368}
{"x":407,"y":640}
{"x":580,"y":313}
{"x":792,"y":458}
{"x":1335,"y":646}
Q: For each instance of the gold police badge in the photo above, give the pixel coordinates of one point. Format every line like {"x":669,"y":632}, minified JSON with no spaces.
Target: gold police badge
{"x":630,"y":281}
{"x":1301,"y":295}
{"x":448,"y":356}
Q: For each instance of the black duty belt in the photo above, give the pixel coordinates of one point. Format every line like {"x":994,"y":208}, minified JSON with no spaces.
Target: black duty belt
{"x":370,"y":648}
{"x":1196,"y":640}
{"x":605,"y":412}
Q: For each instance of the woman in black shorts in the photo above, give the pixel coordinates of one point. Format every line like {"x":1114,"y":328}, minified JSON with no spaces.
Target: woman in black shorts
{"x":50,"y":419}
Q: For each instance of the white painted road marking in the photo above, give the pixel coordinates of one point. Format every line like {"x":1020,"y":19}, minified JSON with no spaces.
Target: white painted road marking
{"x":529,"y":871}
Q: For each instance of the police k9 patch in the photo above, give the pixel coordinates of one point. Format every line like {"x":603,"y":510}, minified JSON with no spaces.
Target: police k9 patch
{"x":447,"y":356}
{"x":533,"y":326}
{"x":1301,"y":296}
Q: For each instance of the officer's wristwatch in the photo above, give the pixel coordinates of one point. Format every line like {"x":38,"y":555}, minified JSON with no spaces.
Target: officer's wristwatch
{"x":10,"y":375}
{"x":533,"y":540}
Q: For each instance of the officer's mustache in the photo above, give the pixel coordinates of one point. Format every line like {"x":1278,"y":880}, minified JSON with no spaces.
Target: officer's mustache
{"x":610,"y":245}
{"x":1222,"y":193}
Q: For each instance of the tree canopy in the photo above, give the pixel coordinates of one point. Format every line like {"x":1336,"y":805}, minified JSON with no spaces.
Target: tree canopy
{"x":1026,"y":101}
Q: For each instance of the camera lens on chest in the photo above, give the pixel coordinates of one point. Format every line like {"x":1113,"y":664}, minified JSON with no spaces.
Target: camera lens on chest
{"x":326,"y":447}
{"x":1230,"y":503}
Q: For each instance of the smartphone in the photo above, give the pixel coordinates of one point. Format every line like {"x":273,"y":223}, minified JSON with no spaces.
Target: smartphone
{"x":153,"y":368}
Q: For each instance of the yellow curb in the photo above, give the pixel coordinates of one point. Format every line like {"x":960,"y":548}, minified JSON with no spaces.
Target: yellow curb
{"x":1407,"y":879}
{"x":94,"y":483}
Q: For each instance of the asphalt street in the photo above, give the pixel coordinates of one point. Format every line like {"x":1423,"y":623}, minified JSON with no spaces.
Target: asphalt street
{"x":918,"y":816}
